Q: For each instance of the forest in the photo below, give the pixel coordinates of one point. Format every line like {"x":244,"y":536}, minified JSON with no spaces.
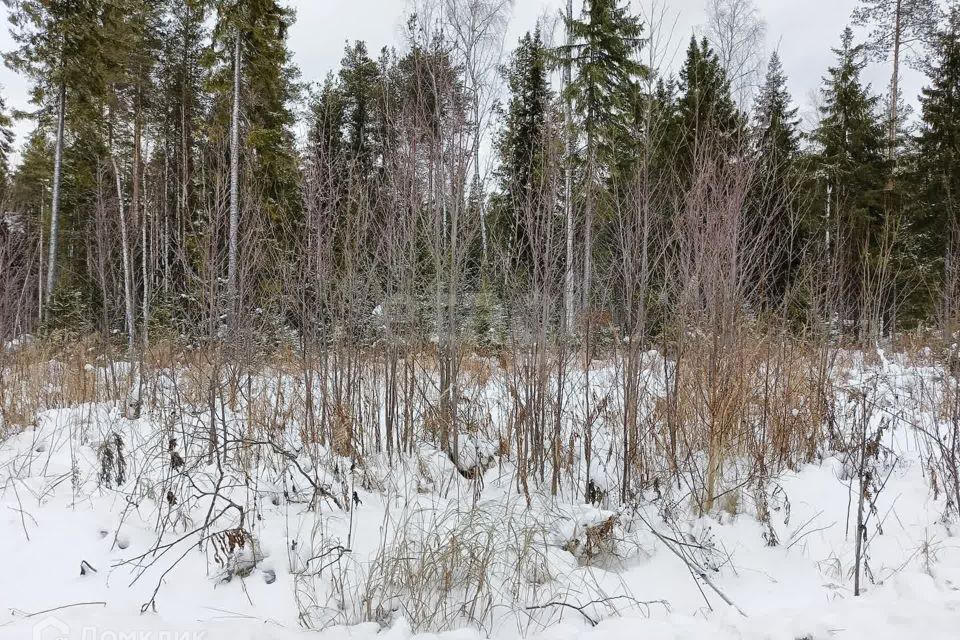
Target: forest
{"x":446,"y":185}
{"x":555,"y":314}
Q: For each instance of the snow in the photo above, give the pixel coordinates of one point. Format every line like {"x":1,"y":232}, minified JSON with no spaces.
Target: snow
{"x":313,"y":565}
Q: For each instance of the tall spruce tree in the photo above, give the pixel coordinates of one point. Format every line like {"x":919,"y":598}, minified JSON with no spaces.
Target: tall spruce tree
{"x":268,"y":86}
{"x":6,"y":146}
{"x":135,"y":27}
{"x":603,"y":51}
{"x":938,"y":157}
{"x":851,"y":162}
{"x":775,"y":119}
{"x":181,"y":103}
{"x":605,"y":43}
{"x":523,"y":145}
{"x":850,"y":135}
{"x":359,"y":86}
{"x":707,"y":114}
{"x":29,"y":184}
{"x":773,"y":202}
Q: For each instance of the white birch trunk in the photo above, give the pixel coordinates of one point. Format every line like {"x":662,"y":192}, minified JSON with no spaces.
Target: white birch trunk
{"x":234,"y":186}
{"x":55,"y":204}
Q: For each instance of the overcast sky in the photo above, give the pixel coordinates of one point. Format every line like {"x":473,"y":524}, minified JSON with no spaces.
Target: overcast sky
{"x":802,"y":30}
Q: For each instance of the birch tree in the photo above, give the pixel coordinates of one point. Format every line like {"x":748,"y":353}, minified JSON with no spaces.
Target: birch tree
{"x":478,"y":28}
{"x":234,"y":185}
{"x":736,"y":32}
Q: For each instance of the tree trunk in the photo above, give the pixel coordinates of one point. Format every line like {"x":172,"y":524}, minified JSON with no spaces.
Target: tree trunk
{"x":145,"y":269}
{"x":588,"y":226}
{"x":138,"y":214}
{"x":568,"y":178}
{"x":127,"y":264}
{"x":476,"y":173}
{"x":55,"y":204}
{"x":895,"y":82}
{"x":234,"y":186}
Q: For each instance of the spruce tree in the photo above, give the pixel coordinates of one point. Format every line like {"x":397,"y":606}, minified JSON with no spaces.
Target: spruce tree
{"x":850,"y":135}
{"x":606,"y":40}
{"x":6,"y":146}
{"x":359,"y":86}
{"x":180,"y":105}
{"x":938,"y":149}
{"x":773,"y":201}
{"x":327,"y":121}
{"x":851,"y":162}
{"x":707,"y":114}
{"x":61,"y":49}
{"x":269,"y":84}
{"x":29,"y":182}
{"x":775,"y":119}
{"x":523,"y":146}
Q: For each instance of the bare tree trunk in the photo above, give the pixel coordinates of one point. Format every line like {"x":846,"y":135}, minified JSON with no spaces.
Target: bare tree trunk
{"x":568,"y":178}
{"x":145,"y":269}
{"x":127,"y":263}
{"x":862,"y":488}
{"x":55,"y":204}
{"x":40,"y":264}
{"x":476,"y":178}
{"x":895,"y":82}
{"x":234,"y":186}
{"x":588,"y":225}
{"x":138,"y":213}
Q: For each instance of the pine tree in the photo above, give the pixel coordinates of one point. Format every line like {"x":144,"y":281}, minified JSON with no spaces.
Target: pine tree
{"x":61,"y":49}
{"x":896,"y":24}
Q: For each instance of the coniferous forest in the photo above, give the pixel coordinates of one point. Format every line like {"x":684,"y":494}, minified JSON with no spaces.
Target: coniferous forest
{"x":538,"y":308}
{"x":453,"y":182}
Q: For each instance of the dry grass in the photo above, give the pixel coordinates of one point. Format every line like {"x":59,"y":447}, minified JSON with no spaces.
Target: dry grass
{"x":39,"y":376}
{"x":442,"y":570}
{"x":761,"y":399}
{"x":736,"y":408}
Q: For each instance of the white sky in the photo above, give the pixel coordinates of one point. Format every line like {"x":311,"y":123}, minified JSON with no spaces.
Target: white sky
{"x":802,"y":30}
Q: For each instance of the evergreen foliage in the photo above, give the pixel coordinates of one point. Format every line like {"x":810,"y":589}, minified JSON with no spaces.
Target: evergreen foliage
{"x":382,"y":199}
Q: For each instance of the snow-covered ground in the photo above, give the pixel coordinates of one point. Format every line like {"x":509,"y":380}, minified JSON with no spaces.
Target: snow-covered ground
{"x":156,"y":553}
